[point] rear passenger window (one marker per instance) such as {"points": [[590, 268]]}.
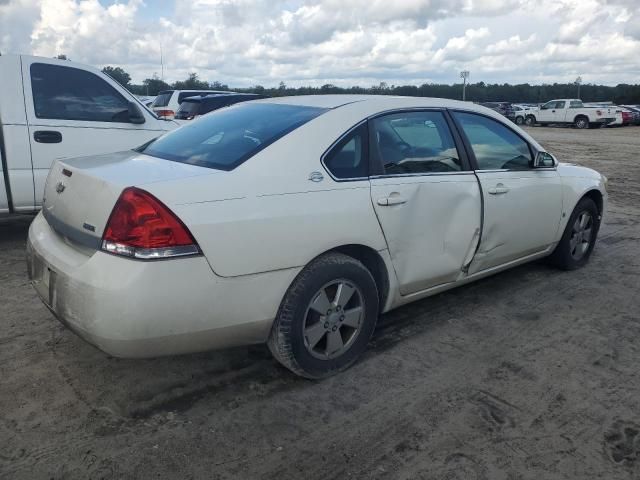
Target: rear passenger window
{"points": [[415, 142], [68, 93], [495, 146], [348, 159]]}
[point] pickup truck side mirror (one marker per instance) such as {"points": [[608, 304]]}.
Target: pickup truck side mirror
{"points": [[544, 107], [544, 160], [135, 114]]}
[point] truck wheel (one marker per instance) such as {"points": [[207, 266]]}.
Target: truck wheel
{"points": [[579, 237], [581, 122], [530, 120], [519, 120], [326, 318]]}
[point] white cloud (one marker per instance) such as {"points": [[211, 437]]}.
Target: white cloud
{"points": [[244, 42]]}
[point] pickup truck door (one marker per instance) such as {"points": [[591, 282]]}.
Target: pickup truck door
{"points": [[426, 198], [522, 205], [75, 111], [547, 112]]}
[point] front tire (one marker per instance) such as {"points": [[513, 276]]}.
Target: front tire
{"points": [[530, 120], [579, 237], [326, 317], [519, 120]]}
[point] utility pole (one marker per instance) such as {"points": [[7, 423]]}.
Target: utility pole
{"points": [[578, 82], [161, 64], [464, 75]]}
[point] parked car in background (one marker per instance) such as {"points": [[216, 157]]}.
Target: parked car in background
{"points": [[297, 221], [193, 107], [146, 100], [520, 113], [52, 109], [167, 102], [570, 111], [503, 108], [635, 113]]}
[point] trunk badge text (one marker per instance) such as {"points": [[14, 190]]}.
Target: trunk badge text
{"points": [[60, 187]]}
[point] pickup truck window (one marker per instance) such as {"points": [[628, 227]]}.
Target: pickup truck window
{"points": [[68, 93], [495, 146], [575, 104], [560, 104], [549, 105]]}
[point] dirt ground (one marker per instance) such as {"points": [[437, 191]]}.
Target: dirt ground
{"points": [[530, 374]]}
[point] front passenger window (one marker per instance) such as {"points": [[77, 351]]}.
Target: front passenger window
{"points": [[495, 146], [415, 142]]}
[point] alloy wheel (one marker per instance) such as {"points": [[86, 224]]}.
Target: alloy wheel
{"points": [[333, 319], [581, 234]]}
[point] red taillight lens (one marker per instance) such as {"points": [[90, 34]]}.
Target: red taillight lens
{"points": [[165, 113], [141, 226]]}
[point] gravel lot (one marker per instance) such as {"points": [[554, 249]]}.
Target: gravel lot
{"points": [[530, 374]]}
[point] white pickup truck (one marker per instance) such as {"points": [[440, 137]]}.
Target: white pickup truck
{"points": [[569, 111], [51, 109]]}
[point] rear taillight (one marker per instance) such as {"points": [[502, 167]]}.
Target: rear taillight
{"points": [[165, 113], [141, 226]]}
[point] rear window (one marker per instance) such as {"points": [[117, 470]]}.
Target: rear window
{"points": [[227, 137], [162, 100]]}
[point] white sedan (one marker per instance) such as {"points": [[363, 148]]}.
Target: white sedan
{"points": [[298, 221]]}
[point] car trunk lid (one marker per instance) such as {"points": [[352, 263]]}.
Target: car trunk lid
{"points": [[80, 193]]}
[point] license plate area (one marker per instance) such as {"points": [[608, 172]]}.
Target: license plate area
{"points": [[43, 279]]}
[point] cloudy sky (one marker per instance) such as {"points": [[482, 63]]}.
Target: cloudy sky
{"points": [[345, 42]]}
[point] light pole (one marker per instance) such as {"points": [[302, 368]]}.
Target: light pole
{"points": [[578, 82], [464, 75]]}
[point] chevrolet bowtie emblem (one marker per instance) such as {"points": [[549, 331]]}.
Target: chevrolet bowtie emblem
{"points": [[60, 187]]}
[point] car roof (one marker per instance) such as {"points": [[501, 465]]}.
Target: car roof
{"points": [[372, 102]]}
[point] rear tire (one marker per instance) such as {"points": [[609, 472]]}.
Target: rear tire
{"points": [[519, 120], [530, 120], [579, 237], [326, 318], [581, 122]]}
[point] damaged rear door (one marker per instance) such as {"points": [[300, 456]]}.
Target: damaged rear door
{"points": [[425, 196], [522, 204]]}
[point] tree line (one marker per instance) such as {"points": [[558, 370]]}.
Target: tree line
{"points": [[477, 92]]}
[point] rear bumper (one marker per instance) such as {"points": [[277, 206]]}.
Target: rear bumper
{"points": [[130, 308]]}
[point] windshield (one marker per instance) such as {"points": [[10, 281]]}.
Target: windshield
{"points": [[229, 136]]}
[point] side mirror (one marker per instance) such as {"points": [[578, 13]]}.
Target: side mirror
{"points": [[544, 107], [135, 114], [544, 160]]}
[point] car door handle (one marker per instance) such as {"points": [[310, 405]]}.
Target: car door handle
{"points": [[391, 200], [47, 136], [499, 189]]}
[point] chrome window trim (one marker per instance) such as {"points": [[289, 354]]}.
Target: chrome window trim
{"points": [[425, 174]]}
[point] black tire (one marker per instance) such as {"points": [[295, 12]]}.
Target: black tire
{"points": [[519, 120], [563, 257], [287, 340], [581, 122], [530, 120]]}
